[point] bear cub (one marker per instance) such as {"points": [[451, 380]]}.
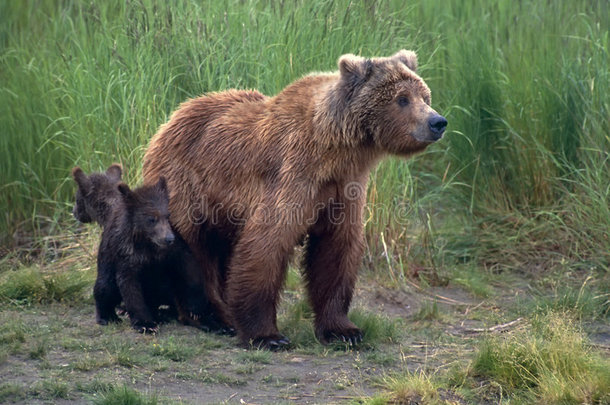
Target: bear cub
{"points": [[97, 194], [144, 263]]}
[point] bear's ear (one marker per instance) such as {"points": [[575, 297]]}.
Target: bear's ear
{"points": [[352, 66], [114, 172], [81, 179], [409, 58]]}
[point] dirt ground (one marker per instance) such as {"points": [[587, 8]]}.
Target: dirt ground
{"points": [[57, 354]]}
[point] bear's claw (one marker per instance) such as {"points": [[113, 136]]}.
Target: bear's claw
{"points": [[226, 331], [146, 328], [273, 343], [351, 337]]}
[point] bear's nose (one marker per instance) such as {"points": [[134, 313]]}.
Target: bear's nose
{"points": [[437, 125], [169, 239]]}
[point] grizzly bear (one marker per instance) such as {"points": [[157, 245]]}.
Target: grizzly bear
{"points": [[251, 176], [143, 262], [97, 194]]}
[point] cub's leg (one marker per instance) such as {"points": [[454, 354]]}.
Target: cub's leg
{"points": [[140, 314], [107, 295]]}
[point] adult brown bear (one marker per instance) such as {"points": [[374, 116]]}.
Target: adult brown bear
{"points": [[250, 176]]}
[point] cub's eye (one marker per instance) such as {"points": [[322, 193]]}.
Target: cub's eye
{"points": [[402, 101], [151, 220]]}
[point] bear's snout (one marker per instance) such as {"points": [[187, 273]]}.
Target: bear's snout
{"points": [[437, 124], [169, 239]]}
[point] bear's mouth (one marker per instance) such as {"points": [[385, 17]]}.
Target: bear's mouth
{"points": [[427, 138]]}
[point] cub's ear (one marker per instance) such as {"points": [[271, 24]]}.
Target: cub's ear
{"points": [[352, 66], [162, 184], [81, 179], [129, 197], [409, 58], [125, 191], [114, 172]]}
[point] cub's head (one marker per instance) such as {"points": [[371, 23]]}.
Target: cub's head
{"points": [[148, 211], [96, 195], [389, 102]]}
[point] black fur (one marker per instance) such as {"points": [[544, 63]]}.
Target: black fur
{"points": [[97, 194], [145, 263]]}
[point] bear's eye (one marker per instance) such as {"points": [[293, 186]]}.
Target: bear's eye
{"points": [[402, 101], [151, 220]]}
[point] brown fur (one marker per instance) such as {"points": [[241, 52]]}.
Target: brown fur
{"points": [[252, 175]]}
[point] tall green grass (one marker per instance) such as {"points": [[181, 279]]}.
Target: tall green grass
{"points": [[524, 85]]}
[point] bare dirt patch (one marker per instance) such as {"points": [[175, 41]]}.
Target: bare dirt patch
{"points": [[57, 354]]}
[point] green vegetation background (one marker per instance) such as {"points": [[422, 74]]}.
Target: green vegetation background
{"points": [[520, 185], [522, 178]]}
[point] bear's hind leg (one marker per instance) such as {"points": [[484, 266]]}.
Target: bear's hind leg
{"points": [[256, 275]]}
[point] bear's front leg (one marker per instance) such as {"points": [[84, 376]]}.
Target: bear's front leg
{"points": [[140, 314], [256, 276], [333, 255]]}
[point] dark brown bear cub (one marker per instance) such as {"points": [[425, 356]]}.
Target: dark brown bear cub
{"points": [[144, 263], [97, 194]]}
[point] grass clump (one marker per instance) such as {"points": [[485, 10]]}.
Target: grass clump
{"points": [[376, 328], [589, 302], [124, 395], [474, 281], [10, 392], [39, 350], [126, 355], [13, 331], [549, 360], [88, 363], [172, 350], [95, 386], [411, 388], [297, 324], [429, 311], [32, 285], [256, 356], [50, 389]]}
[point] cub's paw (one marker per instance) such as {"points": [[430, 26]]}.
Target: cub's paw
{"points": [[227, 331], [222, 330], [147, 328], [206, 323], [273, 343], [108, 319], [351, 336]]}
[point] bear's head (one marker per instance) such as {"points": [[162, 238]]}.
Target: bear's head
{"points": [[96, 194], [389, 102], [148, 212]]}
